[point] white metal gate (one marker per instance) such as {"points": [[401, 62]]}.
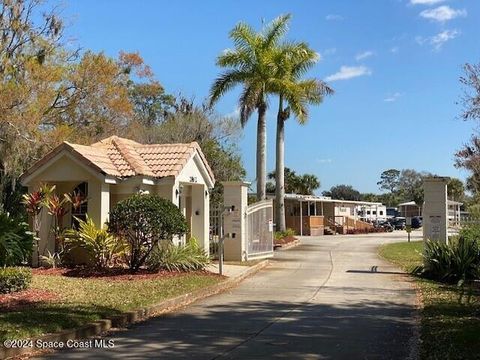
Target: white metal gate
{"points": [[260, 229]]}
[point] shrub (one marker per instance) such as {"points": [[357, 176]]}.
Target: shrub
{"points": [[16, 241], [283, 234], [142, 221], [51, 260], [471, 232], [100, 246], [14, 279], [456, 261], [171, 257]]}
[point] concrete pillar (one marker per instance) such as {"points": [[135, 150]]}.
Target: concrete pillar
{"points": [[301, 218], [98, 206], [435, 209], [235, 193]]}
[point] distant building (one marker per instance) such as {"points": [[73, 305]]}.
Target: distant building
{"points": [[372, 212], [409, 209], [392, 212], [318, 215]]}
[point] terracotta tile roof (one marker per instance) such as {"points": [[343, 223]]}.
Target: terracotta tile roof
{"points": [[123, 158]]}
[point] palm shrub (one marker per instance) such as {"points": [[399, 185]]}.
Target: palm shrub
{"points": [[142, 221], [171, 257], [100, 246], [459, 260], [16, 241]]}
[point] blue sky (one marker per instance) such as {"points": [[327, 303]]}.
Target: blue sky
{"points": [[394, 64]]}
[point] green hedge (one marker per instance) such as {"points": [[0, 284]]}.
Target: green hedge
{"points": [[14, 279]]}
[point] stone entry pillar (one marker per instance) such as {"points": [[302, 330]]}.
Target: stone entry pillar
{"points": [[435, 209], [235, 195]]}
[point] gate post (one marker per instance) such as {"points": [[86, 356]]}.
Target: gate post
{"points": [[235, 193], [435, 209]]}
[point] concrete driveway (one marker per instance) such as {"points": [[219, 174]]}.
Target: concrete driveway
{"points": [[329, 298]]}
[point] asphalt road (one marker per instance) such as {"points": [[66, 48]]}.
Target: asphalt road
{"points": [[329, 298]]}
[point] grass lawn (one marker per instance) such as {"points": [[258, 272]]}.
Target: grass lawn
{"points": [[82, 300], [450, 328]]}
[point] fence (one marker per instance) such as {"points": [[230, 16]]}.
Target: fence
{"points": [[260, 229], [215, 231]]}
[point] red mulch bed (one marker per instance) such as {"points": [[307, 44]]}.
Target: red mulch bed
{"points": [[25, 298], [113, 274], [285, 240]]}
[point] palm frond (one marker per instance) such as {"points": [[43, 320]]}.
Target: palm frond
{"points": [[234, 58], [243, 36], [298, 105], [225, 82], [299, 58], [275, 30], [248, 102]]}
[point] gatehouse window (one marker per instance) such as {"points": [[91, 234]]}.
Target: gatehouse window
{"points": [[80, 212]]}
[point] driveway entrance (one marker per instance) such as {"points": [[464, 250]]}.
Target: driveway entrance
{"points": [[329, 298]]}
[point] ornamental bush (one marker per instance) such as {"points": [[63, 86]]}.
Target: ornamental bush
{"points": [[142, 221], [171, 257], [14, 279], [16, 241], [459, 260], [101, 247]]}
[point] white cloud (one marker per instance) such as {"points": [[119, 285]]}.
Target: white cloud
{"points": [[437, 41], [349, 72], [393, 97], [334, 17], [394, 49], [425, 2], [443, 13], [364, 55], [441, 38]]}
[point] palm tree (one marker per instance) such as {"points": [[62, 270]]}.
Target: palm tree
{"points": [[294, 96], [251, 64], [309, 183]]}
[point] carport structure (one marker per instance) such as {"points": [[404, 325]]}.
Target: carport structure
{"points": [[318, 215]]}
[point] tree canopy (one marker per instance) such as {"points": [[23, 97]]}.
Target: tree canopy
{"points": [[343, 192], [304, 184], [51, 92]]}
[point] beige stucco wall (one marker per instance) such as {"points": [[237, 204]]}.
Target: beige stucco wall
{"points": [[200, 216]]}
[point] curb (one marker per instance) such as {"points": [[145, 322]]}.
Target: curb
{"points": [[118, 321], [287, 246]]}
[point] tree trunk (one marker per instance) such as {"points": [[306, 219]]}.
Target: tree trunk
{"points": [[261, 153], [280, 170]]}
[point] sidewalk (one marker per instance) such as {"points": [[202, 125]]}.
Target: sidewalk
{"points": [[229, 270]]}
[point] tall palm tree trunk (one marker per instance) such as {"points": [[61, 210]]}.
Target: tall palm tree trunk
{"points": [[261, 153], [280, 170]]}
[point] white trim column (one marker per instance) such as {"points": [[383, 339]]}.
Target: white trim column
{"points": [[301, 218]]}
